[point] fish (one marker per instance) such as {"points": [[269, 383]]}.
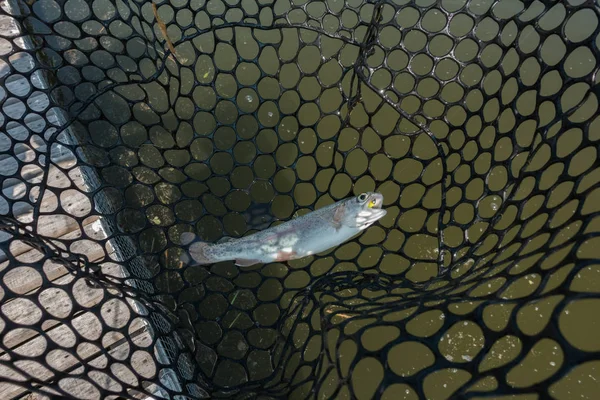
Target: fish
{"points": [[312, 233]]}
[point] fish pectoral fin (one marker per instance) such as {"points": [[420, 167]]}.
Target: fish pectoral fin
{"points": [[241, 262], [338, 216]]}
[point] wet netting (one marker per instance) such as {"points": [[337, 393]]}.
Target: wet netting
{"points": [[125, 123]]}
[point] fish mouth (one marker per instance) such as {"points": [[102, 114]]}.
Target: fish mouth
{"points": [[367, 218], [370, 216], [371, 212]]}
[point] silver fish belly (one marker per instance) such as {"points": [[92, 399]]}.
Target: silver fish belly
{"points": [[312, 233]]}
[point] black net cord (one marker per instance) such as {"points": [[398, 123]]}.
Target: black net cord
{"points": [[125, 124]]}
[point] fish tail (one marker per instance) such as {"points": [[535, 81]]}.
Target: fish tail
{"points": [[201, 254], [198, 252]]}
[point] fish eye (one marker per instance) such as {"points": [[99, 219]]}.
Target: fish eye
{"points": [[362, 197]]}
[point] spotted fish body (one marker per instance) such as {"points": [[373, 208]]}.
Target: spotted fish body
{"points": [[312, 233]]}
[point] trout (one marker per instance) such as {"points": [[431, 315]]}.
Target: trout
{"points": [[309, 234]]}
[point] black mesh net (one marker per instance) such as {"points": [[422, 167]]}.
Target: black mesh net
{"points": [[124, 124]]}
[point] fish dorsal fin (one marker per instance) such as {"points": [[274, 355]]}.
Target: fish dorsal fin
{"points": [[225, 239], [240, 262]]}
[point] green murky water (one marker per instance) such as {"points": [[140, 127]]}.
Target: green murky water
{"points": [[233, 134]]}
